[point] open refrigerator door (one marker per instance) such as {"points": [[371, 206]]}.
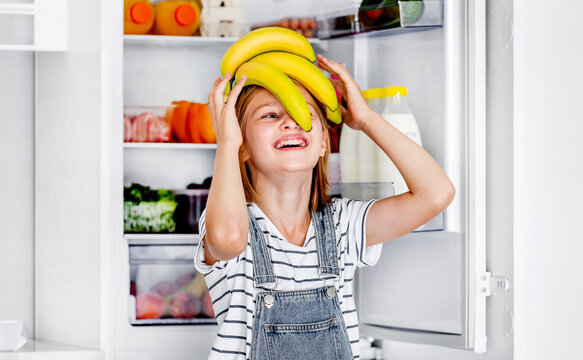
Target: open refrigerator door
{"points": [[430, 287]]}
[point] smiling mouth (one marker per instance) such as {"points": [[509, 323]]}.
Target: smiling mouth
{"points": [[292, 143]]}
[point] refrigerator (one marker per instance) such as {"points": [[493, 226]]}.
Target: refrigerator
{"points": [[430, 286]]}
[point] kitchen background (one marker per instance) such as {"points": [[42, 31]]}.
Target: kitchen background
{"points": [[55, 254]]}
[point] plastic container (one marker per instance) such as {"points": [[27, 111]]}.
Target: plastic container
{"points": [[147, 124], [396, 111], [164, 288], [176, 18], [138, 17], [222, 18], [149, 217], [421, 13], [191, 203], [148, 210]]}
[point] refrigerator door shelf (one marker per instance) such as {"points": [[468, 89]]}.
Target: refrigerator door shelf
{"points": [[425, 288], [414, 14]]}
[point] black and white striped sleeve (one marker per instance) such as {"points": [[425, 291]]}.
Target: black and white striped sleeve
{"points": [[353, 215]]}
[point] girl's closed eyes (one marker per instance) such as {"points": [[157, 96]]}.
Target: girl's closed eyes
{"points": [[270, 115]]}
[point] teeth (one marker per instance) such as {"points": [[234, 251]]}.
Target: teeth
{"points": [[296, 142]]}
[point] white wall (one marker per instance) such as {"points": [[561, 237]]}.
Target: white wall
{"points": [[16, 187], [548, 160], [68, 170]]}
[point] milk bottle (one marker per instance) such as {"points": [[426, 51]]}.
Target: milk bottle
{"points": [[348, 155], [357, 150], [396, 111], [366, 149]]}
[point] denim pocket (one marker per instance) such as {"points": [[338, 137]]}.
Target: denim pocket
{"points": [[318, 340]]}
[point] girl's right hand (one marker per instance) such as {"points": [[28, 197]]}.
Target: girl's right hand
{"points": [[223, 117]]}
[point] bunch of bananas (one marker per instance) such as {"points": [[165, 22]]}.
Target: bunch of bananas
{"points": [[269, 57]]}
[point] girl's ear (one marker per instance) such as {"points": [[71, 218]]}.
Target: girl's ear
{"points": [[325, 142], [244, 154]]}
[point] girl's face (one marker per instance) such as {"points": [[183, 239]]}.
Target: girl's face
{"points": [[274, 141]]}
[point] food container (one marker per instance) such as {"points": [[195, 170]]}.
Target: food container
{"points": [[147, 124], [149, 217], [337, 23], [191, 203], [222, 18], [421, 13], [148, 211], [303, 25], [164, 288]]}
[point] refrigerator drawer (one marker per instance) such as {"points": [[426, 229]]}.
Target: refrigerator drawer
{"points": [[165, 288]]}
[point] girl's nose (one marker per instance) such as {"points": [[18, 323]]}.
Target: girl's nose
{"points": [[289, 123]]}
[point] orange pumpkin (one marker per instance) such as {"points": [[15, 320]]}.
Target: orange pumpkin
{"points": [[179, 120], [205, 125], [199, 125], [192, 123]]}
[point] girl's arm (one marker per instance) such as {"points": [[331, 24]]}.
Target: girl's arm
{"points": [[430, 190], [226, 220]]}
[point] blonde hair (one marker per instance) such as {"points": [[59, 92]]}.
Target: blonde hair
{"points": [[319, 194]]}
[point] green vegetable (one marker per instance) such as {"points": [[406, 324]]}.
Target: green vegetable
{"points": [[148, 210], [137, 193]]}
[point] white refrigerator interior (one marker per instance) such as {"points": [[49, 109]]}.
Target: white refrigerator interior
{"points": [[423, 288]]}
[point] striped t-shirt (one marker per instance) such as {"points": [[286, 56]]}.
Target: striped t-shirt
{"points": [[296, 268]]}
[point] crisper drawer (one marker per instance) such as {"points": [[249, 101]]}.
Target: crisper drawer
{"points": [[164, 286]]}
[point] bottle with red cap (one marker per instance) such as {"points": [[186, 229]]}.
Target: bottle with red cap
{"points": [[178, 18], [138, 17]]}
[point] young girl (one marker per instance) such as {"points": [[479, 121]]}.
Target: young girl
{"points": [[278, 254]]}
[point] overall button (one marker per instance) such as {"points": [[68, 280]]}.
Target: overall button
{"points": [[268, 300], [330, 292]]}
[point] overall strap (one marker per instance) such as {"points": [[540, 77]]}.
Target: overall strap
{"points": [[263, 275], [326, 243]]}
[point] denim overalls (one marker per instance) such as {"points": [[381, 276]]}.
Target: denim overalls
{"points": [[298, 325]]}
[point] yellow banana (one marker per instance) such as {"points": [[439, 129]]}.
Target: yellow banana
{"points": [[262, 40], [281, 87], [306, 73], [334, 116]]}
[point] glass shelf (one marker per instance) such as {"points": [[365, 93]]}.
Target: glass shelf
{"points": [[168, 146], [368, 191], [162, 239], [177, 40], [194, 41]]}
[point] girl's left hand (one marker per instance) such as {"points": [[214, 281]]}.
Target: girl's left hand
{"points": [[358, 110]]}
